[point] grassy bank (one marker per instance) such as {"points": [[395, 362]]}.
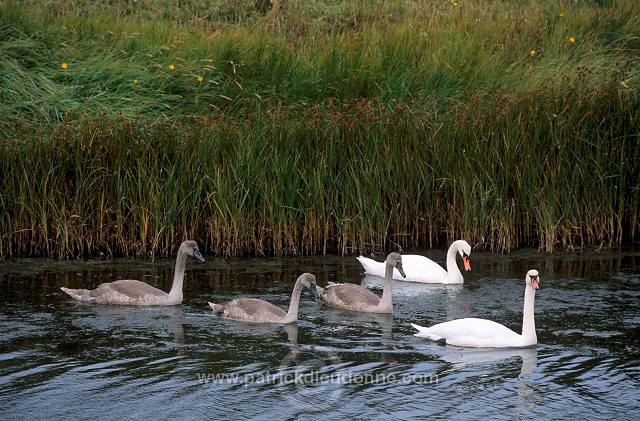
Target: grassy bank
{"points": [[316, 127]]}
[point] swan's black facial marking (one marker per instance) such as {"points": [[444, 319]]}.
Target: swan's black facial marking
{"points": [[314, 291], [198, 255], [309, 281], [535, 281], [399, 267], [466, 261]]}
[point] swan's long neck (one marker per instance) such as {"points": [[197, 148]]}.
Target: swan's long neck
{"points": [[385, 301], [453, 272], [528, 322], [178, 277], [294, 304]]}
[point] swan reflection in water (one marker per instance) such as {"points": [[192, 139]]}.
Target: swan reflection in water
{"points": [[462, 357], [497, 363], [376, 324], [143, 321], [242, 329]]}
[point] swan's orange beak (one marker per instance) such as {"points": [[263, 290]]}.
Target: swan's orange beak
{"points": [[535, 283], [467, 263]]}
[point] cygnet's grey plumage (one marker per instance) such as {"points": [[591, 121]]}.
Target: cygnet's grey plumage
{"points": [[358, 298], [259, 311], [136, 293]]}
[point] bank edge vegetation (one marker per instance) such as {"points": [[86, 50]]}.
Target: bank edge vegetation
{"points": [[311, 127]]}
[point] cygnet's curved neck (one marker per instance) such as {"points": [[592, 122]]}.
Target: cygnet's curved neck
{"points": [[386, 300], [528, 323], [294, 304], [453, 272], [178, 277]]}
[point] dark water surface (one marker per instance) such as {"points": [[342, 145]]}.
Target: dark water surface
{"points": [[60, 358]]}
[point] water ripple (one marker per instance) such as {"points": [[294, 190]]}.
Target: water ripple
{"points": [[80, 361]]}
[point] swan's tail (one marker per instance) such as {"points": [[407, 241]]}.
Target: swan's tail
{"points": [[371, 266], [217, 308], [423, 332], [79, 294]]}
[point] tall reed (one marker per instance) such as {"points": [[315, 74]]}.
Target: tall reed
{"points": [[317, 127]]}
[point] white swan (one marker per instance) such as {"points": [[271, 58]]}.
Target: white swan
{"points": [[421, 269], [357, 298], [259, 311], [136, 293], [482, 333]]}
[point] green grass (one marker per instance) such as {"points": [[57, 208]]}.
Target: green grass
{"points": [[319, 127]]}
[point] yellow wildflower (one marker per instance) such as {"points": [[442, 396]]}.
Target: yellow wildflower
{"points": [[135, 81], [561, 14], [172, 67], [572, 40], [532, 52], [200, 78], [64, 66]]}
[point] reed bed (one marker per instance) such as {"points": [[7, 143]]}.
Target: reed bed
{"points": [[291, 128]]}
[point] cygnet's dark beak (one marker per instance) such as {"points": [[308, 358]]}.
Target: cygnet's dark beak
{"points": [[314, 292], [399, 267], [197, 255]]}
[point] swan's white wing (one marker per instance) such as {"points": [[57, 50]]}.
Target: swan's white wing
{"points": [[472, 332], [417, 268], [421, 269]]}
